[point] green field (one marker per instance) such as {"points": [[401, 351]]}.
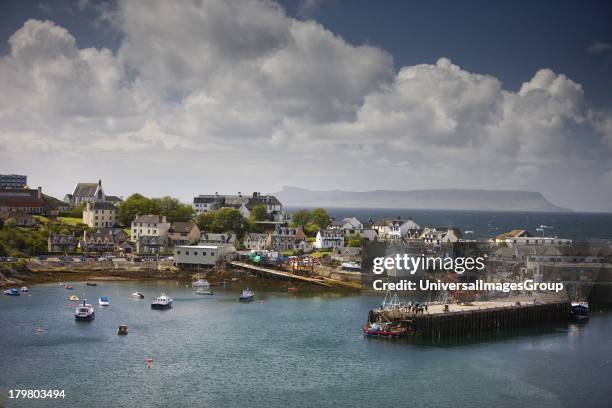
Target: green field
{"points": [[70, 220]]}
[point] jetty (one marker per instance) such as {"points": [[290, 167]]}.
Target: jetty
{"points": [[449, 320], [279, 274]]}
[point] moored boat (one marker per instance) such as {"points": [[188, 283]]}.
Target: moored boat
{"points": [[68, 287], [200, 283], [122, 330], [73, 298], [385, 329], [292, 290], [103, 301], [12, 292], [204, 292], [579, 311], [137, 295], [246, 296], [91, 284], [84, 312], [351, 266], [25, 289], [162, 302]]}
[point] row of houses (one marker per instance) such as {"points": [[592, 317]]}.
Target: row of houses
{"points": [[243, 203]]}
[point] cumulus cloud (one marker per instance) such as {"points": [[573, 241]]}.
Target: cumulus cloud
{"points": [[235, 94]]}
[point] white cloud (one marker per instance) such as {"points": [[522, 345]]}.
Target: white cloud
{"points": [[226, 95]]}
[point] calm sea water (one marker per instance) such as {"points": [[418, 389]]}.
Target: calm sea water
{"points": [[281, 350], [485, 224]]}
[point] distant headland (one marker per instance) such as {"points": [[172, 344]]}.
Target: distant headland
{"points": [[451, 199]]}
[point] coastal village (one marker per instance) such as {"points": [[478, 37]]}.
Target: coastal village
{"points": [[90, 224]]}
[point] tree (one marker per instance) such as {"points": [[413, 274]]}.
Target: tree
{"points": [[258, 213], [205, 220], [173, 209], [355, 241], [76, 212], [320, 218], [10, 223], [223, 220], [301, 218], [136, 204]]}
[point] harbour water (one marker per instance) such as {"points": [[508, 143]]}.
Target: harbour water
{"points": [[280, 350]]}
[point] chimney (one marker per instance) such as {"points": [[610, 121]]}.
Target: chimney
{"points": [[239, 194], [216, 194], [39, 192], [99, 183], [255, 194]]}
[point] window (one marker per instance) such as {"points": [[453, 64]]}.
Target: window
{"points": [[186, 252], [203, 253], [195, 253], [178, 252]]}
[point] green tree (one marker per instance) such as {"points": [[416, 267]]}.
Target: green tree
{"points": [[173, 209], [229, 220], [136, 204], [301, 218], [10, 223], [75, 212], [259, 213], [205, 221], [354, 241], [320, 218]]}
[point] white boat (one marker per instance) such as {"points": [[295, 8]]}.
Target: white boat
{"points": [[84, 312], [25, 289], [162, 302], [351, 266], [137, 295], [204, 292], [200, 283], [247, 295], [103, 301]]}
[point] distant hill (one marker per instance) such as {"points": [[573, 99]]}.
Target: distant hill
{"points": [[493, 200]]}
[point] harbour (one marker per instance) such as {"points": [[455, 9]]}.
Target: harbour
{"points": [[307, 348]]}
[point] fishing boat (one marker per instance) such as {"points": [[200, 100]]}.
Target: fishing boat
{"points": [[12, 292], [137, 295], [103, 301], [579, 311], [385, 329], [351, 266], [91, 284], [162, 302], [200, 283], [247, 295], [73, 298], [84, 312], [122, 330], [25, 289], [204, 292]]}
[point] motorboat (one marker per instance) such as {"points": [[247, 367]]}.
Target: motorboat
{"points": [[385, 329], [122, 330], [247, 295], [25, 289], [200, 283], [292, 290], [84, 312], [73, 298], [12, 292], [204, 292], [137, 295], [579, 311], [68, 287], [103, 301], [91, 284], [162, 302], [351, 266]]}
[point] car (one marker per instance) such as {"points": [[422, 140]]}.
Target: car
{"points": [[41, 257], [102, 259]]}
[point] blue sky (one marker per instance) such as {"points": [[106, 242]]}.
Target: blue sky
{"points": [[404, 94]]}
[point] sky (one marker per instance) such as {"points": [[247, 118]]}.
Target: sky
{"points": [[191, 97]]}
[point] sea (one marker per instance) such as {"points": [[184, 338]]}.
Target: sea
{"points": [[295, 350], [578, 226]]}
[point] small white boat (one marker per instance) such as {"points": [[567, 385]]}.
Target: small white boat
{"points": [[204, 292], [162, 302], [25, 289], [84, 312], [103, 301], [137, 295], [200, 283], [351, 266], [247, 296]]}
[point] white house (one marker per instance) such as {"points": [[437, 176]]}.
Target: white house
{"points": [[329, 238], [201, 255], [243, 203], [438, 235], [396, 228], [150, 225], [99, 214]]}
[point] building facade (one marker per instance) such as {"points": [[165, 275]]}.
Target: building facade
{"points": [[99, 214], [149, 225], [201, 255]]}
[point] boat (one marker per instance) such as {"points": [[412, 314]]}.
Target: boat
{"points": [[73, 298], [351, 266], [246, 296], [25, 289], [162, 302], [91, 284], [122, 330], [579, 311], [103, 301], [385, 329], [69, 287], [137, 295], [292, 290], [200, 283], [204, 292], [84, 312], [12, 292]]}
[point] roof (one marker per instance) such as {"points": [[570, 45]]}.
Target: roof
{"points": [[20, 198], [515, 233], [85, 190], [179, 227], [103, 206], [151, 240], [201, 246], [62, 239], [113, 199], [154, 218]]}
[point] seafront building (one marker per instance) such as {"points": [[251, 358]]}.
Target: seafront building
{"points": [[243, 203], [14, 181], [99, 214], [201, 255], [90, 193]]}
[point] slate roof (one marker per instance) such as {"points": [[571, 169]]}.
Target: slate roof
{"points": [[85, 190], [152, 218]]}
